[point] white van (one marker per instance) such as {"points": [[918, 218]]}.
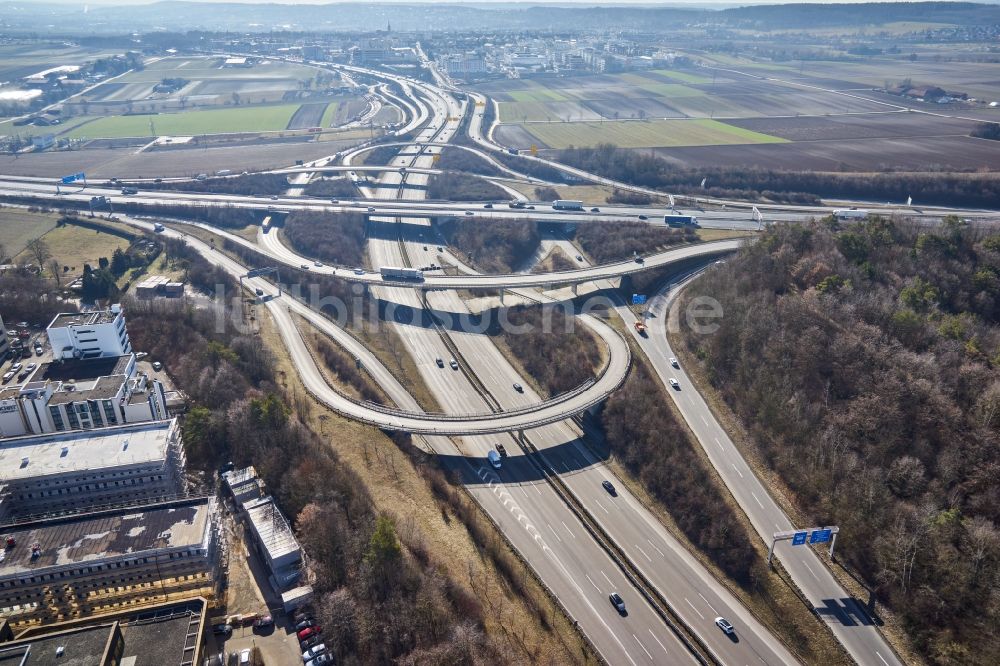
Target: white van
{"points": [[494, 459]]}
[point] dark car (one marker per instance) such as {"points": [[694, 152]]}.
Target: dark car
{"points": [[643, 217], [617, 602], [595, 210], [222, 629], [610, 487], [304, 624]]}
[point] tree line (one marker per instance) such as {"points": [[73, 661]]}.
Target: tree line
{"points": [[496, 246], [797, 187], [865, 364], [334, 238], [559, 352], [248, 184], [457, 186], [615, 241]]}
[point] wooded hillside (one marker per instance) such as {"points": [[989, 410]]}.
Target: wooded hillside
{"points": [[864, 363]]}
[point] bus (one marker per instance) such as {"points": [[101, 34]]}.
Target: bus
{"points": [[566, 204]]}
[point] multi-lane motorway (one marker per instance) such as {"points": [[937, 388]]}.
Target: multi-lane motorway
{"points": [[547, 497]]}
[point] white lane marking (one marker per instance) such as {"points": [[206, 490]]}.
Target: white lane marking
{"points": [[592, 583], [738, 471], [756, 498], [719, 443], [657, 549], [522, 491], [643, 552], [706, 603], [704, 420], [810, 569], [553, 532], [568, 529], [657, 640], [694, 609], [642, 646], [602, 506], [607, 579], [882, 658], [535, 486]]}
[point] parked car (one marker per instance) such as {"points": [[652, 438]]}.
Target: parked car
{"points": [[157, 366], [263, 622], [309, 632], [222, 629], [245, 656], [325, 658], [313, 651], [299, 626]]}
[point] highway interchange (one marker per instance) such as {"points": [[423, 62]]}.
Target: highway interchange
{"points": [[547, 498]]}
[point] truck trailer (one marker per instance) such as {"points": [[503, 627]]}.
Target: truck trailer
{"points": [[850, 214], [567, 204], [393, 273], [677, 220]]}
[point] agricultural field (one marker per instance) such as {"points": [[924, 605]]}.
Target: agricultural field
{"points": [[258, 118], [19, 60], [178, 162], [74, 246], [645, 134], [18, 226], [204, 82], [812, 114]]}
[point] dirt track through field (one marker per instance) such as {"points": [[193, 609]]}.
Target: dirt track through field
{"points": [[308, 115]]}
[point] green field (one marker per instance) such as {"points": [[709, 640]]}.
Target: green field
{"points": [[646, 134], [188, 123], [329, 114]]}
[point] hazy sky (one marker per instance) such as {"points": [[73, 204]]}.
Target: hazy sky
{"points": [[588, 3]]}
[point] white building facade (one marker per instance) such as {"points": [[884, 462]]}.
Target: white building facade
{"points": [[89, 334]]}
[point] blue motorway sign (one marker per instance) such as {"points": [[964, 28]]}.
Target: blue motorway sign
{"points": [[799, 538], [638, 299], [66, 180], [820, 536]]}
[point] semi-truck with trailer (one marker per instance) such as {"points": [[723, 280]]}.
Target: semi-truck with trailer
{"points": [[567, 204], [394, 273], [678, 220], [850, 214]]}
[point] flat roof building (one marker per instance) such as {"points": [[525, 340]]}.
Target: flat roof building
{"points": [[73, 566], [81, 394], [275, 541], [89, 334], [168, 633], [64, 472]]}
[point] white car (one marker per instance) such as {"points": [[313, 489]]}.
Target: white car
{"points": [[359, 271], [318, 264], [245, 656], [725, 625], [674, 384], [454, 364], [673, 362], [313, 651]]}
